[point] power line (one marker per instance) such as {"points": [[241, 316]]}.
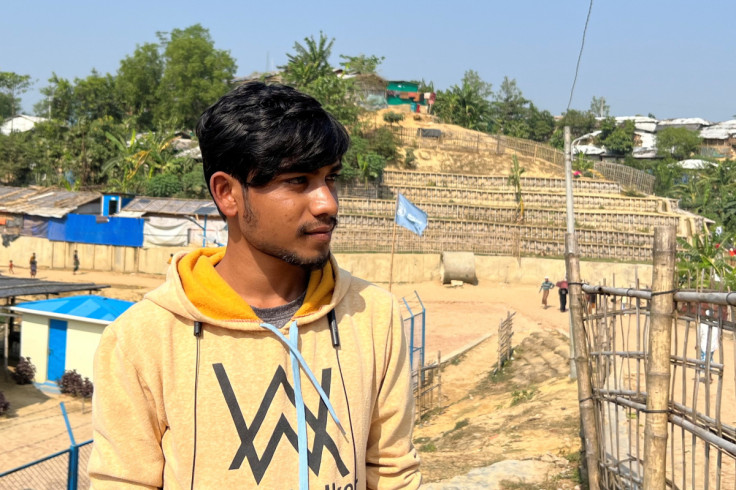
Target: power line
{"points": [[580, 55]]}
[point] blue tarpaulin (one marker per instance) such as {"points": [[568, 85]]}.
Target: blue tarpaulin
{"points": [[86, 228]]}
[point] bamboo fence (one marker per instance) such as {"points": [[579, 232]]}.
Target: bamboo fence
{"points": [[628, 177], [428, 388], [663, 413], [478, 142], [507, 213], [464, 181], [550, 198], [370, 234]]}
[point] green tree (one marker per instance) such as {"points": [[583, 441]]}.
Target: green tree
{"points": [[195, 75], [309, 62], [12, 85], [541, 124], [515, 181], [703, 262], [142, 157], [510, 110], [599, 108], [137, 83], [466, 105], [361, 64], [677, 143], [580, 123], [617, 138], [96, 97], [58, 101]]}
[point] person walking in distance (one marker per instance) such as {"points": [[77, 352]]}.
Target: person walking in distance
{"points": [[260, 365], [33, 263], [562, 291], [707, 339], [76, 263], [545, 287], [11, 270]]}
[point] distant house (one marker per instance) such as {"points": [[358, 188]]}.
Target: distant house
{"points": [[62, 334], [719, 140], [402, 92], [691, 123], [20, 124]]}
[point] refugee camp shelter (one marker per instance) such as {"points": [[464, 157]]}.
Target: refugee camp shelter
{"points": [[62, 334], [174, 222]]}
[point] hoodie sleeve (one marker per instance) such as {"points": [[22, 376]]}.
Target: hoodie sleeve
{"points": [[127, 430], [391, 460]]}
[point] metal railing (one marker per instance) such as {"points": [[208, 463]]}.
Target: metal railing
{"points": [[62, 469]]}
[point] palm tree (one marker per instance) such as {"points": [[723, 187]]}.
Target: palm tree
{"points": [[309, 62]]}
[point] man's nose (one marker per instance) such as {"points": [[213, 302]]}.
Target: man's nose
{"points": [[324, 200]]}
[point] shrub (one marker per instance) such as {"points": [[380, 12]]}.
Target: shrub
{"points": [[4, 405], [409, 158], [24, 371], [164, 185], [393, 117], [71, 383]]}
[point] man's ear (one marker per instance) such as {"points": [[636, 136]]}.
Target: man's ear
{"points": [[227, 193]]}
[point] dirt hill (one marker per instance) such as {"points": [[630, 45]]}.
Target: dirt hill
{"points": [[463, 162]]}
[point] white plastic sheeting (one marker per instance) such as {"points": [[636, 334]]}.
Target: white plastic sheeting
{"points": [[159, 231]]}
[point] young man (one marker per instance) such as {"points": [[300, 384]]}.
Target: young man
{"points": [[76, 263], [263, 365]]}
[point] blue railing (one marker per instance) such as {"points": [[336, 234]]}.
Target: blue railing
{"points": [[59, 470], [415, 324]]}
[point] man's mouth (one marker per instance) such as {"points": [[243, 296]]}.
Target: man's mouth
{"points": [[321, 229]]}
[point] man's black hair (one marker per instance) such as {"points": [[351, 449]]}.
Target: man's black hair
{"points": [[257, 132]]}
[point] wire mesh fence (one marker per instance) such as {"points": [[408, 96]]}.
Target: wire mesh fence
{"points": [[63, 469]]}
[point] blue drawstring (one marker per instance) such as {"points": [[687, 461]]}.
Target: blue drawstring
{"points": [[296, 360]]}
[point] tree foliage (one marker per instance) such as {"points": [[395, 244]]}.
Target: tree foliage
{"points": [[194, 77], [617, 138], [137, 83], [599, 108], [467, 104], [677, 143], [12, 86]]}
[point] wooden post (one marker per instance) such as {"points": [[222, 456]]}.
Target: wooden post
{"points": [[658, 363], [393, 246], [439, 380], [585, 388]]}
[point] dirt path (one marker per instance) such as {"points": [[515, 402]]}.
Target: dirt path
{"points": [[455, 318]]}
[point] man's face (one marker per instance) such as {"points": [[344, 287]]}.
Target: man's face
{"points": [[292, 217]]}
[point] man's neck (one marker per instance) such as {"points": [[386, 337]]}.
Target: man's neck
{"points": [[261, 280]]}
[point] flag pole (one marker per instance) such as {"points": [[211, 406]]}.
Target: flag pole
{"points": [[393, 247]]}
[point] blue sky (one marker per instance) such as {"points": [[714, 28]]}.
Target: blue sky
{"points": [[671, 58]]}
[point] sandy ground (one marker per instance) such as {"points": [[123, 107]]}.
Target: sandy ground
{"points": [[455, 317]]}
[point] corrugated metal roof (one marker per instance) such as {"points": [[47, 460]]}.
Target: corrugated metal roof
{"points": [[86, 307], [26, 286], [48, 202], [171, 206]]}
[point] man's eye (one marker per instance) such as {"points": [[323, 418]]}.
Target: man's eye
{"points": [[332, 177], [297, 180]]}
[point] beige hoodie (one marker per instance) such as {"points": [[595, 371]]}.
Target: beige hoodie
{"points": [[154, 378]]}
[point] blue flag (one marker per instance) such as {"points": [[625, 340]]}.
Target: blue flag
{"points": [[409, 216]]}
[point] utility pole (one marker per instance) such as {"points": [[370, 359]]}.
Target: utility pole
{"points": [[570, 232]]}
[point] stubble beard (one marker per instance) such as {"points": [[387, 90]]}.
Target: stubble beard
{"points": [[290, 256]]}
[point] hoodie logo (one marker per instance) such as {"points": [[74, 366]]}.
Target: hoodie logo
{"points": [[247, 433]]}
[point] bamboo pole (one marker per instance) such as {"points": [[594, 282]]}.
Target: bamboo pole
{"points": [[658, 365], [393, 247], [585, 388]]}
